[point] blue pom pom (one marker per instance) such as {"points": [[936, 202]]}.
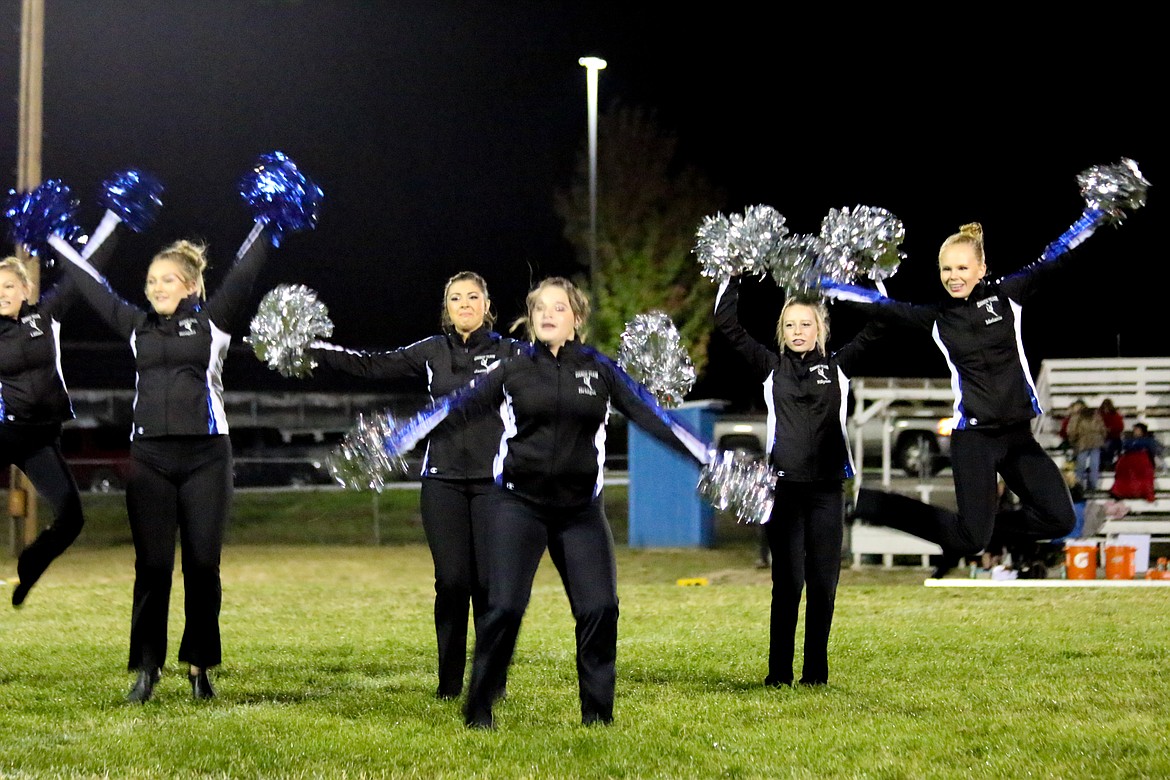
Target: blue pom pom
{"points": [[281, 196], [134, 196], [34, 216]]}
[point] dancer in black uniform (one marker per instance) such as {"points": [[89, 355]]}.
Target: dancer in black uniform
{"points": [[180, 455], [457, 485], [34, 403], [556, 397], [978, 331], [806, 391]]}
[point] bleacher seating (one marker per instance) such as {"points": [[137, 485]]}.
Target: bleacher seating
{"points": [[1138, 387]]}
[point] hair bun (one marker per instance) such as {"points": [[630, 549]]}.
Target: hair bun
{"points": [[973, 229]]}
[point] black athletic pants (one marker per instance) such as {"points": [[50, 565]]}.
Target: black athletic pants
{"points": [[455, 517], [178, 485], [978, 458], [805, 534], [36, 450], [580, 544]]}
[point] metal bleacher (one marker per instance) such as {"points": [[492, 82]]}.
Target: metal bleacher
{"points": [[1140, 389]]}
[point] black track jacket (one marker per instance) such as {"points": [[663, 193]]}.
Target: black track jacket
{"points": [[554, 411], [32, 389], [456, 449], [806, 396], [178, 359]]}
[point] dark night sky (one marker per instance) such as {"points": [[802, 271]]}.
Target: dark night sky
{"points": [[440, 130]]}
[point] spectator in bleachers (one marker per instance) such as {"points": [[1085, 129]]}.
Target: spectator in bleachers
{"points": [[1086, 438], [1114, 428], [1073, 409], [1134, 476]]}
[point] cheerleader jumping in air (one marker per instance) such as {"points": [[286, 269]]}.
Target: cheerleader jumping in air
{"points": [[978, 329]]}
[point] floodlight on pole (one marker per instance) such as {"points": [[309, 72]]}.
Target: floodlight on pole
{"points": [[592, 65]]}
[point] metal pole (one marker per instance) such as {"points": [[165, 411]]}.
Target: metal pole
{"points": [[592, 65], [22, 499]]}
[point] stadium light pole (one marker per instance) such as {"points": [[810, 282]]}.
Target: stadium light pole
{"points": [[592, 65]]}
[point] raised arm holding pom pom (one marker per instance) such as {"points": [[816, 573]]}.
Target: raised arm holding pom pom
{"points": [[977, 327], [806, 391], [34, 401], [180, 455]]}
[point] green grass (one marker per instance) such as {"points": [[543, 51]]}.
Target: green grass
{"points": [[329, 671]]}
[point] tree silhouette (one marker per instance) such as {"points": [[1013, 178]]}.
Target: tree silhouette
{"points": [[649, 205]]}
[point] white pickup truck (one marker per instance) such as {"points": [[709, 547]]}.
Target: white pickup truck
{"points": [[915, 413]]}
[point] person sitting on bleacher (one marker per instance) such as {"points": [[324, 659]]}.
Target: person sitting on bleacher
{"points": [[1134, 475]]}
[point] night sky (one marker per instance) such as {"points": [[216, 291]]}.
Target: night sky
{"points": [[440, 131]]}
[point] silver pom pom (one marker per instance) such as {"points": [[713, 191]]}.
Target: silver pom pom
{"points": [[740, 483], [651, 354], [796, 266], [1114, 188], [361, 460], [861, 242], [744, 244], [288, 319]]}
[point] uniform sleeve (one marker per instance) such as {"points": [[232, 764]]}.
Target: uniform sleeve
{"points": [[474, 398], [849, 355], [226, 306], [120, 315], [404, 363], [1023, 283], [61, 296], [638, 404], [727, 320], [892, 312]]}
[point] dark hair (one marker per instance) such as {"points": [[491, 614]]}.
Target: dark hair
{"points": [[489, 319]]}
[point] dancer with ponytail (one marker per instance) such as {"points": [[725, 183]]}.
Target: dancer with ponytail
{"points": [[180, 456], [978, 328]]}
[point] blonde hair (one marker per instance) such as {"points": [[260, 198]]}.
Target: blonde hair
{"points": [[489, 319], [971, 234], [17, 266], [578, 302], [820, 313], [191, 258]]}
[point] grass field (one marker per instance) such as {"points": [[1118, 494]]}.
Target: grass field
{"points": [[329, 656]]}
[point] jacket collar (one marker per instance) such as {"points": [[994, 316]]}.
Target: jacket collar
{"points": [[189, 305], [478, 337]]}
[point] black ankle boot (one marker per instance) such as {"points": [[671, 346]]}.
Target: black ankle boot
{"points": [[201, 685], [19, 593], [946, 564], [143, 687], [27, 575]]}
